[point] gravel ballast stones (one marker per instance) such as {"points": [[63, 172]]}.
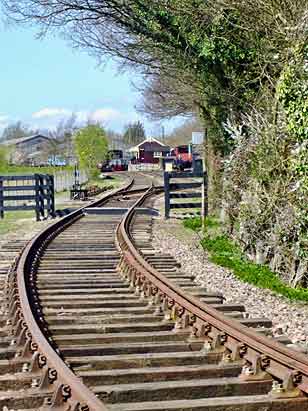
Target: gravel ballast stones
{"points": [[288, 318]]}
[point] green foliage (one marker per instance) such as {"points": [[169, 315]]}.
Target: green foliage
{"points": [[245, 63], [225, 253], [293, 94], [3, 157], [195, 223], [91, 147]]}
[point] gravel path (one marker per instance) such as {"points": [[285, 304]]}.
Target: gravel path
{"points": [[288, 318]]}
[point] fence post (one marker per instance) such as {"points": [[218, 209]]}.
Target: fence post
{"points": [[167, 194], [47, 194], [1, 199], [42, 196], [37, 197], [52, 195], [204, 211]]}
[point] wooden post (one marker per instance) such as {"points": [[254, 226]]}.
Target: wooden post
{"points": [[52, 193], [167, 194], [204, 211], [48, 194], [205, 199], [37, 196], [1, 199], [42, 195]]}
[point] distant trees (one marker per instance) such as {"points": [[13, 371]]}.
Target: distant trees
{"points": [[134, 133], [242, 66], [183, 133], [61, 139], [16, 130], [91, 147], [115, 139]]}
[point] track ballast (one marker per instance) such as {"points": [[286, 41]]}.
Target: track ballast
{"points": [[97, 320]]}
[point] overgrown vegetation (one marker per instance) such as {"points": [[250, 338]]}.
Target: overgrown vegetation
{"points": [[241, 65], [226, 253]]}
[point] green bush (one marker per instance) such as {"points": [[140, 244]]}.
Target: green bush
{"points": [[195, 223], [222, 251]]}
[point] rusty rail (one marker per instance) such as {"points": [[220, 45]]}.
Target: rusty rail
{"points": [[262, 357], [34, 341]]}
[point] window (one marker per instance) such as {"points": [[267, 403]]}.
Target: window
{"points": [[157, 153]]}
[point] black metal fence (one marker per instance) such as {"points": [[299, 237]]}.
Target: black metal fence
{"points": [[29, 192], [172, 187]]}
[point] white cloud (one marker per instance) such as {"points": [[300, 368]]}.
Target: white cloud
{"points": [[109, 117], [49, 112], [3, 118], [99, 115], [104, 114]]}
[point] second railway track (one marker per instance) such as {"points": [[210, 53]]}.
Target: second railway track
{"points": [[97, 320]]}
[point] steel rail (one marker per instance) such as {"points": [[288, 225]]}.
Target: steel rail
{"points": [[28, 323], [267, 357]]}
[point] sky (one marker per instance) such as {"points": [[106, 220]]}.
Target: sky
{"points": [[44, 81]]}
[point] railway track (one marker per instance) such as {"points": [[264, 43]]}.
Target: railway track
{"points": [[97, 320]]}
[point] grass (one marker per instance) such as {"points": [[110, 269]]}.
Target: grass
{"points": [[195, 223], [224, 252], [14, 220], [20, 219], [102, 182], [20, 170]]}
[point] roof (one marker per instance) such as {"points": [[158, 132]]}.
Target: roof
{"points": [[150, 144], [16, 141]]}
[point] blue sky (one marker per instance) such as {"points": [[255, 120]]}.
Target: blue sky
{"points": [[45, 80]]}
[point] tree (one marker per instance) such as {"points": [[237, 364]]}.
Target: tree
{"points": [[134, 133], [16, 130], [91, 147], [115, 140], [245, 64], [183, 133], [61, 143], [227, 47]]}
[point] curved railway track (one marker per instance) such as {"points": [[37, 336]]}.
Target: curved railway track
{"points": [[97, 320]]}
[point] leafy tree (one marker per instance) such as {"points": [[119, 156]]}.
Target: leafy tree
{"points": [[242, 65], [91, 147], [226, 50], [16, 130], [134, 133]]}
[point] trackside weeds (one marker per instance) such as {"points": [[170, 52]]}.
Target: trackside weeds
{"points": [[289, 318]]}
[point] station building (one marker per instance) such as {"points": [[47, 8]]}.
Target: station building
{"points": [[149, 151]]}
